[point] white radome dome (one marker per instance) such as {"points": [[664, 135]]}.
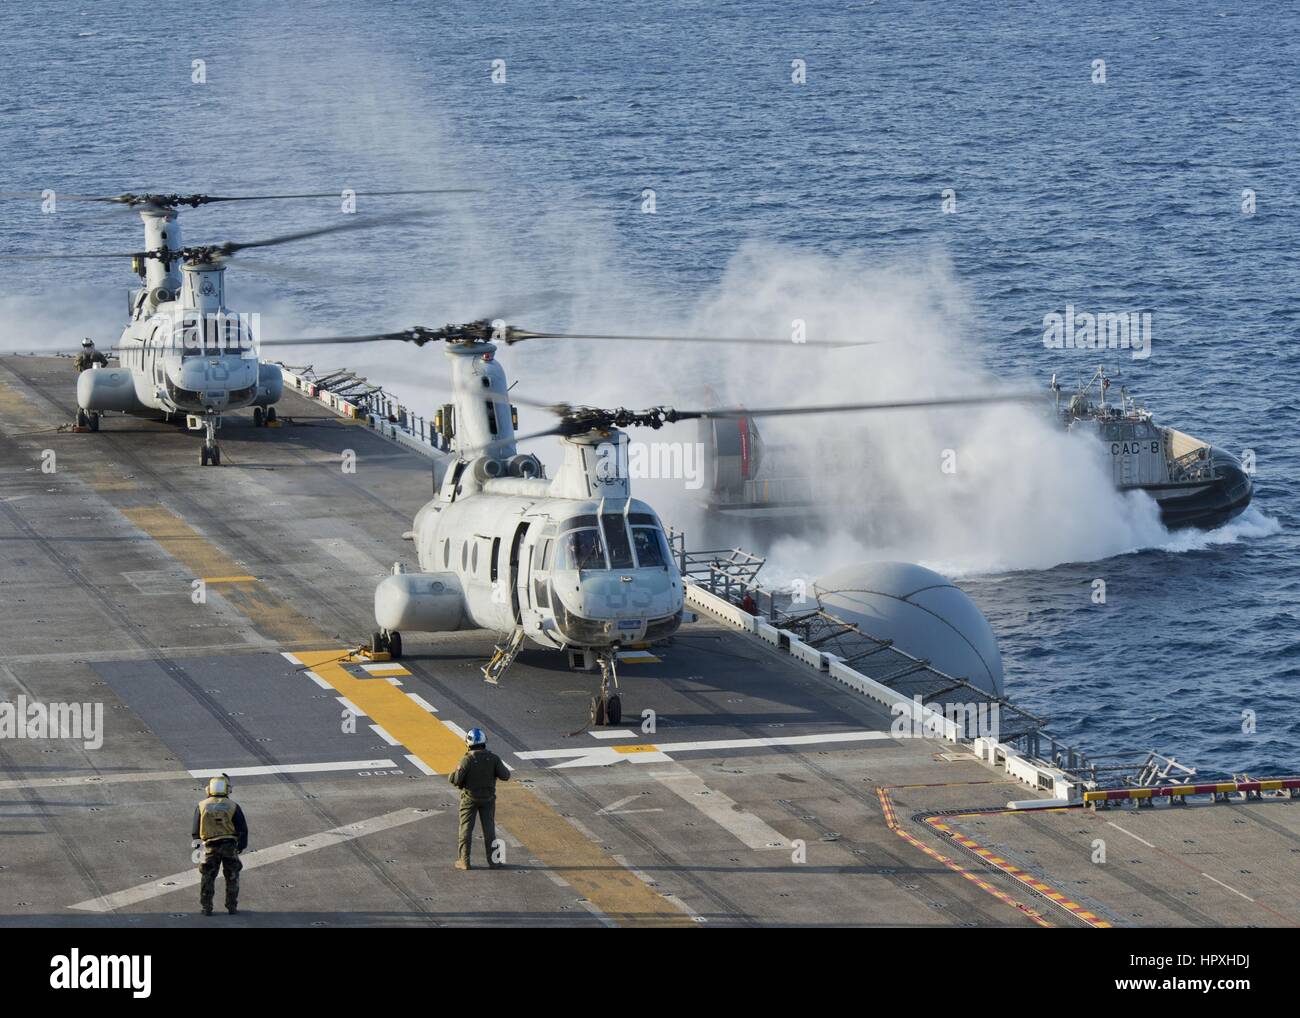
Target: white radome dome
{"points": [[922, 612]]}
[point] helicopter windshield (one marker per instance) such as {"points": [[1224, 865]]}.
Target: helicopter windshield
{"points": [[620, 549], [213, 337], [651, 547], [580, 549]]}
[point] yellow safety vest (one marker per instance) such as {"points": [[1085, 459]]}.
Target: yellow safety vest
{"points": [[217, 819]]}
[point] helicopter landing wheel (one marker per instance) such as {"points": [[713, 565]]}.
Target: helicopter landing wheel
{"points": [[83, 419], [271, 416], [92, 421], [209, 456], [384, 641], [259, 417], [607, 705]]}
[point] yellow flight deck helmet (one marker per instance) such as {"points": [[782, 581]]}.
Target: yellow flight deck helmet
{"points": [[219, 786]]}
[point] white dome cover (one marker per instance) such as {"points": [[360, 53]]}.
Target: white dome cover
{"points": [[922, 612]]}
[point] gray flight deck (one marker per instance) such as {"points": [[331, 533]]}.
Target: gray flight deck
{"points": [[755, 801]]}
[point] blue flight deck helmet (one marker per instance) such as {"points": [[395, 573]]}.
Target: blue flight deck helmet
{"points": [[475, 737]]}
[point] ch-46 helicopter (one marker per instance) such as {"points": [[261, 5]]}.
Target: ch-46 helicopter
{"points": [[572, 562], [183, 350]]}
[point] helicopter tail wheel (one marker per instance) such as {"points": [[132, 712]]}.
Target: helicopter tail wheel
{"points": [[259, 417]]}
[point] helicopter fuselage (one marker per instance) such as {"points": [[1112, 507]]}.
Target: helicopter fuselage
{"points": [[573, 562]]}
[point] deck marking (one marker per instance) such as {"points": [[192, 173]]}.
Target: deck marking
{"points": [[349, 705], [1187, 866], [549, 837], [231, 579], [1227, 888], [891, 821], [1073, 907], [420, 765], [318, 680], [260, 857], [384, 668], [424, 704], [750, 830], [1130, 834], [603, 756], [269, 615], [384, 735], [613, 808], [613, 733], [299, 768]]}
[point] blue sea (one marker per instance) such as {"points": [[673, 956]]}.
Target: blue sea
{"points": [[1167, 186]]}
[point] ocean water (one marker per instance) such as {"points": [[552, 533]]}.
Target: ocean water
{"points": [[1128, 194]]}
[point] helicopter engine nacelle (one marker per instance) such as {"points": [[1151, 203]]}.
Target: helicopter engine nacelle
{"points": [[270, 385], [421, 603], [101, 389]]}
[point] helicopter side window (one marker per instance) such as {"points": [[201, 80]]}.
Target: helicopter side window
{"points": [[651, 548], [581, 549], [620, 548]]}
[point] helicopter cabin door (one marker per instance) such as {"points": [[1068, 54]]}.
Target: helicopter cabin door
{"points": [[513, 577]]}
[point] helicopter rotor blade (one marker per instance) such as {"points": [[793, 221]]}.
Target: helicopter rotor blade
{"points": [[519, 335], [213, 252], [938, 402], [168, 201], [60, 257], [234, 247]]}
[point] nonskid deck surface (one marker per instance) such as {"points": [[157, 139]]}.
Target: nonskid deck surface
{"points": [[754, 800]]}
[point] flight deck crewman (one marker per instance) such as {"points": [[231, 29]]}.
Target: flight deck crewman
{"points": [[219, 823], [476, 776], [89, 356]]}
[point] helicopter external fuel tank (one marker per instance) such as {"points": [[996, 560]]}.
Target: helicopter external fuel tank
{"points": [[421, 602], [107, 389]]}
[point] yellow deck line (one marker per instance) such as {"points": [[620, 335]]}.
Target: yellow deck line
{"points": [[560, 846], [230, 579], [271, 616]]}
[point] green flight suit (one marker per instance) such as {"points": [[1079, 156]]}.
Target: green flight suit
{"points": [[476, 776], [83, 361]]}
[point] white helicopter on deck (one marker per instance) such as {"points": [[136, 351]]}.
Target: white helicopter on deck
{"points": [[572, 562], [183, 350]]}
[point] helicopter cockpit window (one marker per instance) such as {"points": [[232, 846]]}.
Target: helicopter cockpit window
{"points": [[580, 549], [651, 547], [213, 337], [620, 549]]}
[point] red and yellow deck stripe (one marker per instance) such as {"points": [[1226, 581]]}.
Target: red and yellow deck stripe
{"points": [[993, 859], [891, 822]]}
